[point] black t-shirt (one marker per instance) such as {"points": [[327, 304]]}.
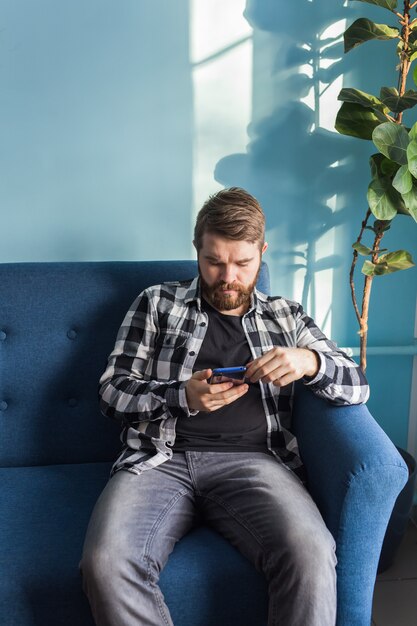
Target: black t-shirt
{"points": [[241, 425]]}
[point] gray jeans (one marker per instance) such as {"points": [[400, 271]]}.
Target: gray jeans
{"points": [[248, 497]]}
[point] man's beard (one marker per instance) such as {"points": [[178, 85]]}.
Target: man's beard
{"points": [[214, 294]]}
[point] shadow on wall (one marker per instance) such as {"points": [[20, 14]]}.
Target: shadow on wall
{"points": [[300, 172]]}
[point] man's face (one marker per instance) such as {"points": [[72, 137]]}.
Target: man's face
{"points": [[229, 270]]}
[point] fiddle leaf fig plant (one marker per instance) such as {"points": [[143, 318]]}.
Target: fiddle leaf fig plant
{"points": [[393, 186]]}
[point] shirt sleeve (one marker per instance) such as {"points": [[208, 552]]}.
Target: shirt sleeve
{"points": [[339, 379], [125, 392]]}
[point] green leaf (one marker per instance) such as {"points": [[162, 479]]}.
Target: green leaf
{"points": [[413, 132], [364, 30], [375, 269], [415, 75], [410, 201], [411, 51], [381, 269], [375, 162], [368, 268], [411, 48], [382, 198], [392, 100], [392, 140], [367, 100], [388, 264], [396, 261], [412, 157], [391, 5], [356, 121], [400, 47], [375, 165], [388, 167], [382, 167], [403, 181], [364, 250]]}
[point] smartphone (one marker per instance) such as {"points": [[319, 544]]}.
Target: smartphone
{"points": [[235, 375]]}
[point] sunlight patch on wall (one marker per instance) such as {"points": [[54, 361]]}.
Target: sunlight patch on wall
{"points": [[221, 58], [327, 81], [329, 104]]}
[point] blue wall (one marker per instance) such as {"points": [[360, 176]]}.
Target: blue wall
{"points": [[96, 124], [118, 118]]}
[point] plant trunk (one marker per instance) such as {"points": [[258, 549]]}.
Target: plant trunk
{"points": [[362, 316], [363, 332]]}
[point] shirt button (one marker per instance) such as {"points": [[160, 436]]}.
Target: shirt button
{"points": [[192, 353], [2, 335], [3, 405], [71, 334], [203, 324]]}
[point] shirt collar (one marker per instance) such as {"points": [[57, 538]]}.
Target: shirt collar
{"points": [[193, 294]]}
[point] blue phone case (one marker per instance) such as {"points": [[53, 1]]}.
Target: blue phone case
{"points": [[235, 375], [229, 370]]}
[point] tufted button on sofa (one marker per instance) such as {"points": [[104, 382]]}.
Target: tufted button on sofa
{"points": [[58, 323]]}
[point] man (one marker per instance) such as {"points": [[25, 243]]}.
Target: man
{"points": [[223, 450]]}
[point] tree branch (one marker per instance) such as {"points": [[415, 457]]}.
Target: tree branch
{"points": [[405, 60], [352, 268]]}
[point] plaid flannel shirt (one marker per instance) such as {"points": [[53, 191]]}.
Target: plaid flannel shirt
{"points": [[157, 345]]}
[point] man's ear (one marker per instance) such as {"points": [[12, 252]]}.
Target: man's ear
{"points": [[264, 247]]}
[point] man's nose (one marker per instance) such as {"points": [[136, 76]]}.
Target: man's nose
{"points": [[228, 274]]}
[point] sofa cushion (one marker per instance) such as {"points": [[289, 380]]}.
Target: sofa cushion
{"points": [[44, 516], [58, 325]]}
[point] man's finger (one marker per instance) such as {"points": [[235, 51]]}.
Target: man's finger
{"points": [[220, 400], [259, 363], [285, 380], [202, 374], [231, 397], [263, 370], [218, 388], [234, 393]]}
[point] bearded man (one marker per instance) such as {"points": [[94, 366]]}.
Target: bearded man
{"points": [[224, 451]]}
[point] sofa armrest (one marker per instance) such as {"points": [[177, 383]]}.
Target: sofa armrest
{"points": [[354, 473]]}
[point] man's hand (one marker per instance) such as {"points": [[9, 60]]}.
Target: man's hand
{"points": [[201, 396], [282, 366]]}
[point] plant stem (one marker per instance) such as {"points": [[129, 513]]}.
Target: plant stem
{"points": [[352, 269], [362, 316], [363, 327], [405, 58], [363, 332]]}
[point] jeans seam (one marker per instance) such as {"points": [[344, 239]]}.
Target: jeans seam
{"points": [[147, 558], [158, 522], [237, 517], [156, 593], [190, 466]]}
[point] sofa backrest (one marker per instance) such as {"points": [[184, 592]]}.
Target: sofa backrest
{"points": [[58, 324]]}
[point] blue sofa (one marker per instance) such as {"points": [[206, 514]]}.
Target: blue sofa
{"points": [[58, 322]]}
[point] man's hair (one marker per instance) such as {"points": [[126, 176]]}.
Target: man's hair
{"points": [[233, 214]]}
